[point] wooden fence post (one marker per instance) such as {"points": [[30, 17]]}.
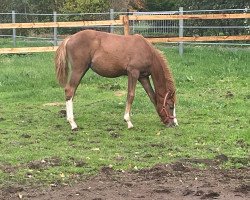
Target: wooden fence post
{"points": [[126, 24], [14, 30], [55, 29], [181, 31]]}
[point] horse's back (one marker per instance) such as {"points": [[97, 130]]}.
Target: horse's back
{"points": [[110, 54]]}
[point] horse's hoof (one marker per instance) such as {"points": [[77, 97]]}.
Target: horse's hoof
{"points": [[75, 129], [130, 126], [170, 125]]}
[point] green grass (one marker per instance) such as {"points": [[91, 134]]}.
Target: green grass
{"points": [[21, 42], [37, 146]]}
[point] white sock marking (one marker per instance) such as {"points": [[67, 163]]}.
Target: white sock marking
{"points": [[70, 115], [127, 119]]}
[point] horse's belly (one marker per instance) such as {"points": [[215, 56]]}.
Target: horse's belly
{"points": [[108, 70], [108, 67], [108, 73]]}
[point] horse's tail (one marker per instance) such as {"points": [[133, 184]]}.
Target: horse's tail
{"points": [[61, 63]]}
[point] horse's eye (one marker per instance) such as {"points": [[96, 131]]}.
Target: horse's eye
{"points": [[171, 107]]}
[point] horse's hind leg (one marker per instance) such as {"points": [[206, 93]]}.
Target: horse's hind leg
{"points": [[132, 79], [78, 71], [69, 111]]}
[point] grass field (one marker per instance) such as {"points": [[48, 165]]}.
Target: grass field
{"points": [[37, 146]]}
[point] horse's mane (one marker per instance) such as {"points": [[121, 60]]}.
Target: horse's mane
{"points": [[170, 85], [164, 67]]}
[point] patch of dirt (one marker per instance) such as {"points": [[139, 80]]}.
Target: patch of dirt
{"points": [[229, 94], [120, 93], [42, 164], [62, 113], [177, 181], [1, 119]]}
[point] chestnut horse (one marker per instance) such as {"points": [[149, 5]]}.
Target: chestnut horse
{"points": [[112, 55]]}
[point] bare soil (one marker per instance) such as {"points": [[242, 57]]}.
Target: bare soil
{"points": [[173, 182]]}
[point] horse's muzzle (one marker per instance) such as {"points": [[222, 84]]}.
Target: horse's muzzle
{"points": [[172, 124]]}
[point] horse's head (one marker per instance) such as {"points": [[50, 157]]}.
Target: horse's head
{"points": [[166, 109]]}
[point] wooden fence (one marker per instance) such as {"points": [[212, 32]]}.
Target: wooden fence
{"points": [[124, 21]]}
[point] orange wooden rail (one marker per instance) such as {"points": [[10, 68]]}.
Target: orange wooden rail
{"points": [[153, 40], [124, 20]]}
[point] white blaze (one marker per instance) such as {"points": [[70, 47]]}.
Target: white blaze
{"points": [[175, 120]]}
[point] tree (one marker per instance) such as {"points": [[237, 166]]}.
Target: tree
{"points": [[85, 6], [215, 5], [212, 5], [159, 5], [136, 5], [119, 5]]}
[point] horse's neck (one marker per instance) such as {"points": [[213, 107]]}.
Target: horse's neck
{"points": [[162, 78]]}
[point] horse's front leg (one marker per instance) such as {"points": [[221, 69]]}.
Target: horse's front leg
{"points": [[148, 88], [133, 76]]}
